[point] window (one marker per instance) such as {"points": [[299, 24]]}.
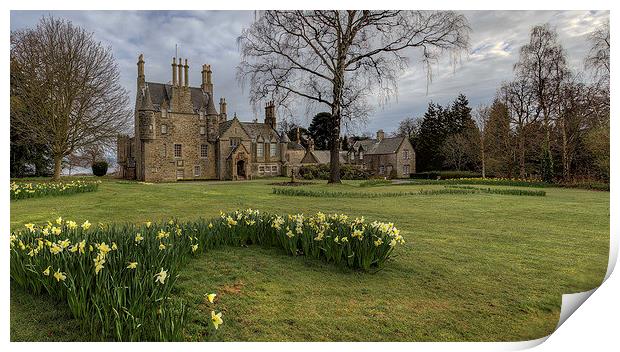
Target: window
{"points": [[204, 150], [405, 154], [261, 169], [273, 149], [151, 128], [177, 151], [196, 170], [406, 170], [164, 113], [180, 174], [274, 169], [164, 129], [381, 169], [164, 150], [361, 155], [202, 130], [235, 142], [260, 151], [202, 115]]}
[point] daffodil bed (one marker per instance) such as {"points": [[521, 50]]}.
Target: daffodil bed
{"points": [[117, 278], [21, 190]]}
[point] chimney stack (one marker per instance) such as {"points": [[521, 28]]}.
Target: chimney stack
{"points": [[180, 72], [207, 85], [310, 144], [298, 136], [174, 71], [186, 79], [380, 135], [141, 78], [270, 114]]}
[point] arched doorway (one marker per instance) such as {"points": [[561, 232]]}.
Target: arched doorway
{"points": [[241, 168]]}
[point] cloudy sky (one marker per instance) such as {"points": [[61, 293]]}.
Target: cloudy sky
{"points": [[210, 37]]}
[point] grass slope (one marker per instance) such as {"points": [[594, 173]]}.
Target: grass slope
{"points": [[478, 267]]}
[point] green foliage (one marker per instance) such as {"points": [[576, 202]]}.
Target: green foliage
{"points": [[445, 175], [485, 181], [320, 130], [22, 190], [100, 168], [504, 191], [321, 172], [117, 279]]}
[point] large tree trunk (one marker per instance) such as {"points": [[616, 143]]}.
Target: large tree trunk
{"points": [[57, 167], [565, 156], [338, 86], [521, 154]]}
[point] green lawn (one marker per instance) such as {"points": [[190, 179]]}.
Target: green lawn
{"points": [[475, 267]]}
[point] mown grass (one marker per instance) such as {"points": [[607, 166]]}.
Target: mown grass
{"points": [[479, 268]]}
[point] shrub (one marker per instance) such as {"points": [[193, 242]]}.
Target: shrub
{"points": [[117, 279], [100, 168], [321, 172], [445, 175]]}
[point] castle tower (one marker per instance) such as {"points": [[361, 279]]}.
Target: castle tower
{"points": [[270, 114], [207, 85], [141, 77], [223, 115]]}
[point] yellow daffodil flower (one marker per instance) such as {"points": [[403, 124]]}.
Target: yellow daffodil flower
{"points": [[71, 224], [132, 265], [161, 276], [216, 319], [211, 296], [59, 276], [194, 248], [138, 238], [86, 225], [46, 272], [56, 230], [210, 225], [161, 246], [30, 227], [59, 220], [378, 242], [148, 224], [114, 246]]}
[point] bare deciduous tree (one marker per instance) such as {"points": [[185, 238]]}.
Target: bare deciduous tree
{"points": [[408, 127], [70, 96], [598, 57], [520, 99], [481, 118], [338, 59], [542, 64]]}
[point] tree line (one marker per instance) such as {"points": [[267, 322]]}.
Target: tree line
{"points": [[547, 122]]}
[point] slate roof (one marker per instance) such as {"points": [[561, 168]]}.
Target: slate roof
{"points": [[159, 92], [385, 146], [324, 156], [255, 129], [295, 146]]}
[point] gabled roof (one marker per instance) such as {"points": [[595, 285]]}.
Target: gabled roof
{"points": [[295, 146], [255, 129], [364, 143], [159, 92], [324, 156], [235, 149], [386, 146]]}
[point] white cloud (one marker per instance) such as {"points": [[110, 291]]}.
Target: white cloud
{"points": [[210, 37]]}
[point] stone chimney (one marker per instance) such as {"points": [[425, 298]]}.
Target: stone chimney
{"points": [[298, 136], [186, 77], [310, 144], [223, 115], [207, 85], [180, 72], [174, 71], [380, 135], [270, 114], [141, 78]]}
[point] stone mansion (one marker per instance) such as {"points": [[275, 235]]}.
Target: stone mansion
{"points": [[180, 135]]}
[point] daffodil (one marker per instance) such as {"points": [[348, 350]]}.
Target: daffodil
{"points": [[139, 238], [114, 246], [194, 248], [71, 224], [211, 296], [55, 249], [378, 242], [59, 276], [148, 224], [56, 230], [132, 265], [162, 246], [46, 272], [216, 319], [30, 227], [59, 220], [393, 243], [86, 225], [161, 276], [210, 225], [104, 248], [82, 246]]}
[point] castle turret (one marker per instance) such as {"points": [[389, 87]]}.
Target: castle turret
{"points": [[270, 114], [146, 116], [207, 85], [141, 77], [213, 119], [223, 115]]}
